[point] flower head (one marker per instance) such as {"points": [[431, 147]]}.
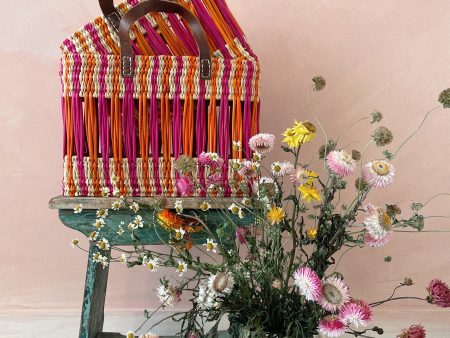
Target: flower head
{"points": [[331, 326], [379, 173], [414, 331], [130, 334], [74, 242], [134, 207], [117, 204], [378, 224], [281, 169], [185, 164], [302, 176], [103, 244], [105, 191], [309, 193], [99, 223], [371, 241], [152, 264], [444, 98], [182, 267], [301, 133], [438, 293], [210, 159], [78, 209], [262, 143], [341, 163], [102, 213], [185, 186], [335, 294], [355, 312], [275, 215], [222, 282], [311, 233], [168, 295], [138, 221], [249, 169], [376, 116], [211, 245], [179, 234], [178, 206], [308, 283], [205, 206]]}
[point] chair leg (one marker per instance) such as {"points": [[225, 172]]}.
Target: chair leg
{"points": [[92, 314]]}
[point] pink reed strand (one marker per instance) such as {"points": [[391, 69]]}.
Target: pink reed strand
{"points": [[247, 120], [183, 34], [210, 27], [200, 130], [224, 125], [154, 127], [176, 119]]}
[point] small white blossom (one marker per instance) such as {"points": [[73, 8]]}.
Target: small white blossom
{"points": [[237, 145], [99, 223], [116, 205], [247, 202], [134, 207], [234, 208], [132, 226], [182, 267], [130, 334], [74, 242], [205, 206], [102, 213], [78, 209], [116, 192], [138, 221], [103, 244], [152, 264], [211, 245], [241, 214], [105, 191], [179, 206], [123, 258], [120, 230], [93, 235], [179, 234]]}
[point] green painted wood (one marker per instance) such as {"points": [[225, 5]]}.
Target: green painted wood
{"points": [[152, 233], [92, 313]]}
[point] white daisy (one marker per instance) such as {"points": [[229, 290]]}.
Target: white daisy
{"points": [[179, 206], [205, 206], [116, 192], [120, 230], [102, 213], [78, 209], [132, 226], [152, 264], [182, 267], [138, 221], [103, 244], [179, 234], [99, 223], [135, 207], [93, 235], [234, 208], [105, 191], [247, 202], [281, 169], [123, 258], [74, 242], [116, 205], [211, 245], [130, 334]]}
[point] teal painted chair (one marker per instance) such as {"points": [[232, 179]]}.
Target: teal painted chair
{"points": [[92, 314]]}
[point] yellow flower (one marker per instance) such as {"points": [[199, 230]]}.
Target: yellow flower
{"points": [[275, 215], [301, 133], [311, 233], [309, 193]]}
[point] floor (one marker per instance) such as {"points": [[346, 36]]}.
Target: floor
{"points": [[65, 324]]}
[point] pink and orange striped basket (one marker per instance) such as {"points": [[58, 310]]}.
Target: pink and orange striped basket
{"points": [[128, 118]]}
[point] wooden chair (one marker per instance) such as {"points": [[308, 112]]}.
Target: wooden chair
{"points": [[92, 314]]}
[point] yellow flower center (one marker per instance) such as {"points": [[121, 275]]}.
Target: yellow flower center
{"points": [[180, 267], [277, 168], [381, 168], [150, 266], [234, 210], [204, 206], [311, 233], [178, 235], [101, 245], [209, 246]]}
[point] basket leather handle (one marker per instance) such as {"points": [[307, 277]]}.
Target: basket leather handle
{"points": [[110, 12], [142, 9]]}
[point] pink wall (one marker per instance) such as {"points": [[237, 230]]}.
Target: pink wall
{"points": [[393, 56]]}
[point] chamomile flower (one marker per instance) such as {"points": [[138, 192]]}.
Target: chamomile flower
{"points": [[241, 213], [138, 221], [179, 234], [234, 208], [120, 230], [116, 205], [237, 145], [78, 209], [105, 191], [74, 242], [135, 207], [182, 267], [281, 169], [99, 223], [205, 206], [102, 213], [93, 236], [179, 206], [103, 244], [247, 202], [152, 264], [211, 245], [123, 258], [130, 334]]}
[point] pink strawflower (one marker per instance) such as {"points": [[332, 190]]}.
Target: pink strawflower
{"points": [[308, 283], [356, 312], [373, 242], [248, 169], [335, 294], [341, 163], [438, 293], [185, 186], [415, 331], [331, 326], [262, 143], [379, 173], [215, 180], [378, 223], [210, 159]]}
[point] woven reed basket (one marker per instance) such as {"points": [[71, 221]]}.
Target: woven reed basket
{"points": [[147, 82]]}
